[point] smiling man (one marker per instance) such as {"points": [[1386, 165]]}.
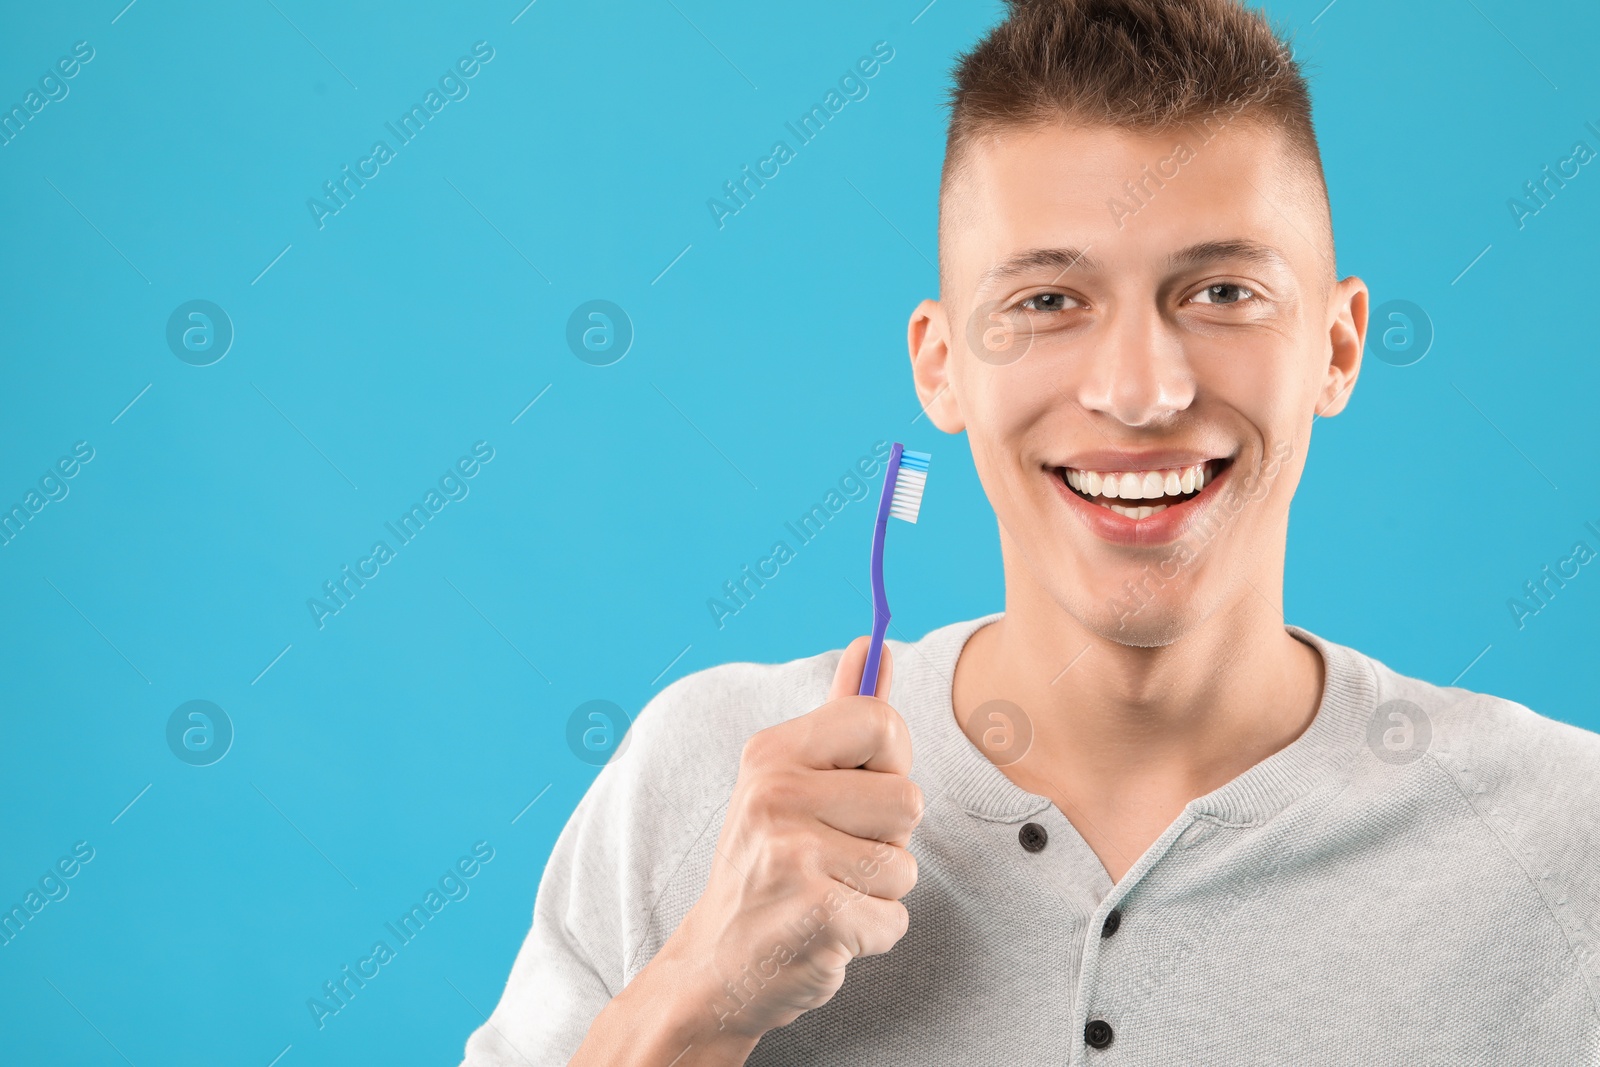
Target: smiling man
{"points": [[1137, 818]]}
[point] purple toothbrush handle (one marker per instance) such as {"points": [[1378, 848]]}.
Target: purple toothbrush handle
{"points": [[869, 673], [880, 601]]}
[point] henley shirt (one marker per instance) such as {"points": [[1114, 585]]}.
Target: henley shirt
{"points": [[1413, 880]]}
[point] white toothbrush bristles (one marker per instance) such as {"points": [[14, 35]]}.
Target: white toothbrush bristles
{"points": [[909, 483]]}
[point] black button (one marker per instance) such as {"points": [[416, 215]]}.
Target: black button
{"points": [[1113, 921], [1033, 837], [1098, 1033]]}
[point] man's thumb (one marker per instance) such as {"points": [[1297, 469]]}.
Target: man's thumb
{"points": [[847, 678]]}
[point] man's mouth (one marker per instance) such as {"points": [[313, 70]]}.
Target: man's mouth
{"points": [[1141, 494]]}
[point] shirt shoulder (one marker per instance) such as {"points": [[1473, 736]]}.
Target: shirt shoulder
{"points": [[1532, 780], [1494, 745]]}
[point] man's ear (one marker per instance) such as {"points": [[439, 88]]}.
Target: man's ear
{"points": [[1347, 334], [928, 337]]}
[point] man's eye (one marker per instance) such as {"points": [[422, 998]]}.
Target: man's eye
{"points": [[1222, 293], [1048, 302]]}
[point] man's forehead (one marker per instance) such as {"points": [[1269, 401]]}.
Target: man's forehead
{"points": [[1104, 194], [1050, 156]]}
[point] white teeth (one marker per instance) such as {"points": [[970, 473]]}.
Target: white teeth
{"points": [[1142, 512], [1138, 485]]}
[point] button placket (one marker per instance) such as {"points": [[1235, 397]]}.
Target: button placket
{"points": [[1098, 1033]]}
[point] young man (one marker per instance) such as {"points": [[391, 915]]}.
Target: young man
{"points": [[1137, 818]]}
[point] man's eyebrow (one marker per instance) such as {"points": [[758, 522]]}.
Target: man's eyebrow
{"points": [[1237, 249], [1068, 258], [1059, 259]]}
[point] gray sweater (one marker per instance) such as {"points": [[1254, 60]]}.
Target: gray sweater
{"points": [[1414, 880]]}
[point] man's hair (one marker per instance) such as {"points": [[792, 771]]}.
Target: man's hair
{"points": [[1144, 66]]}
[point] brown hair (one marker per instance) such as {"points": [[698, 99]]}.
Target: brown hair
{"points": [[1138, 65]]}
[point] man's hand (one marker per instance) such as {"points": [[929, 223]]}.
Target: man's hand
{"points": [[807, 875], [811, 862]]}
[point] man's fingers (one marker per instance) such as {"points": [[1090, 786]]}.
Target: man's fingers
{"points": [[867, 925], [847, 676], [848, 732], [880, 870], [869, 805]]}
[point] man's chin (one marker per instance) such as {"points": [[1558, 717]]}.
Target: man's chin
{"points": [[1154, 629], [1149, 622]]}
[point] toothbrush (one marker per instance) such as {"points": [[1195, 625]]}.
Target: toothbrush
{"points": [[903, 481]]}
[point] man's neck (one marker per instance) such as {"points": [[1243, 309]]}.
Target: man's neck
{"points": [[1123, 737]]}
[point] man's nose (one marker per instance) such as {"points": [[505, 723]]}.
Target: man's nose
{"points": [[1136, 371]]}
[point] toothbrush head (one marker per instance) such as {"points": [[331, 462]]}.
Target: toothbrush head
{"points": [[910, 481]]}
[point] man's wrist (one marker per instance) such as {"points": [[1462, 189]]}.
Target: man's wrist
{"points": [[668, 1015], [672, 1004]]}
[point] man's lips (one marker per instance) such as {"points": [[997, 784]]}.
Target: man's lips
{"points": [[1147, 505]]}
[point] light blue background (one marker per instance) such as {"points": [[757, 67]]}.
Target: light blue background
{"points": [[428, 713]]}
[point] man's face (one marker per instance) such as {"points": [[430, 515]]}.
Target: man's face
{"points": [[1137, 366]]}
